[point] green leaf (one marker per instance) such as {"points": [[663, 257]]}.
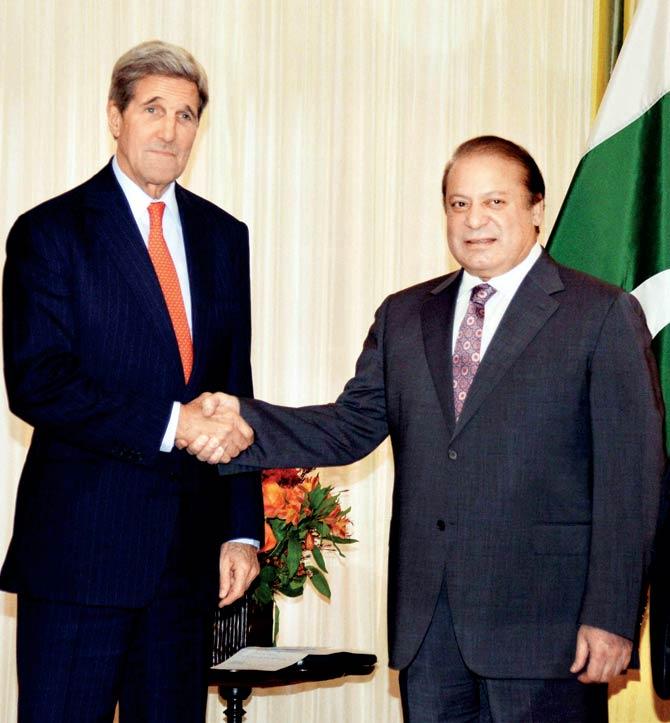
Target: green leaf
{"points": [[294, 556], [275, 523], [263, 594], [342, 540], [323, 529], [316, 497], [294, 588], [280, 532], [319, 581], [267, 574], [318, 558], [278, 527], [290, 592], [326, 507]]}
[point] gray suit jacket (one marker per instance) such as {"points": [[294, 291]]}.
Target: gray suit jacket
{"points": [[539, 504]]}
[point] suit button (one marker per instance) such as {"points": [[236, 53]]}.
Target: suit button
{"points": [[453, 454], [441, 525]]}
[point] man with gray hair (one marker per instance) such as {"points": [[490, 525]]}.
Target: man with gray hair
{"points": [[126, 299]]}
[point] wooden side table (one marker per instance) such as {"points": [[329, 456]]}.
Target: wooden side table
{"points": [[235, 686]]}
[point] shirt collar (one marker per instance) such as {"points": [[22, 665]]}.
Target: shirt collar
{"points": [[508, 282], [139, 200]]}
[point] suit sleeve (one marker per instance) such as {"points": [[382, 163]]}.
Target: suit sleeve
{"points": [[46, 385], [327, 434], [628, 458], [241, 495]]}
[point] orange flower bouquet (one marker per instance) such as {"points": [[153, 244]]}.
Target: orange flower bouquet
{"points": [[302, 519]]}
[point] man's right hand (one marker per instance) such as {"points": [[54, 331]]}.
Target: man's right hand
{"points": [[210, 427], [600, 655]]}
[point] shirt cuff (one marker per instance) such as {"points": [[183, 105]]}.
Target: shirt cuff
{"points": [[247, 541], [168, 438]]}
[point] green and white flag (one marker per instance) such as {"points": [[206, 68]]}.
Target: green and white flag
{"points": [[615, 220]]}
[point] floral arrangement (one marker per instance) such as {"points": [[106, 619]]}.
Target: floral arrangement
{"points": [[302, 519]]}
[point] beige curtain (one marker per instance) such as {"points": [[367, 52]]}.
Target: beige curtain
{"points": [[329, 126]]}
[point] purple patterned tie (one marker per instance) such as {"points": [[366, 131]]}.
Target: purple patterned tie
{"points": [[468, 343]]}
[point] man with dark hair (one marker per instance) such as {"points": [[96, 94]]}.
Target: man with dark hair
{"points": [[523, 407], [496, 146], [125, 300]]}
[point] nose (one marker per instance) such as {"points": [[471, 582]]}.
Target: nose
{"points": [[168, 129], [475, 216]]}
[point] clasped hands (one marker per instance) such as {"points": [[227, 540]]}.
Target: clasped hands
{"points": [[211, 428]]}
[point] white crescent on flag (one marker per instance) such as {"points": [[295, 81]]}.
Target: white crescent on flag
{"points": [[654, 297]]}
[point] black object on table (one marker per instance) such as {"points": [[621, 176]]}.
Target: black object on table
{"points": [[246, 623], [235, 686]]}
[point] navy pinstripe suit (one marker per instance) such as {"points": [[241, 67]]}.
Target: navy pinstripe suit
{"points": [[91, 362]]}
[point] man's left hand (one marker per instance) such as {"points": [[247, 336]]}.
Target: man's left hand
{"points": [[600, 655], [238, 566]]}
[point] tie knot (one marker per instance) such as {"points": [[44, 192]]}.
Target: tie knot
{"points": [[481, 294], [156, 213]]}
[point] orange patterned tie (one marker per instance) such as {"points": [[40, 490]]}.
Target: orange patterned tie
{"points": [[167, 278]]}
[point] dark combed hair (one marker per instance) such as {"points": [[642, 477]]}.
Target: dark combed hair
{"points": [[496, 146], [155, 57]]}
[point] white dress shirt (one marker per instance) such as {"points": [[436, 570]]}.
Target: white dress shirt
{"points": [[506, 286], [139, 202]]}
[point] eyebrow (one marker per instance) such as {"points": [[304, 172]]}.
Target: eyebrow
{"points": [[486, 193]]}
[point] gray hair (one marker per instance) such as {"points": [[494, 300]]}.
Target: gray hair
{"points": [[155, 57]]}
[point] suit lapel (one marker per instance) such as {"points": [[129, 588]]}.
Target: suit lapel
{"points": [[528, 312], [110, 222], [437, 322], [200, 273]]}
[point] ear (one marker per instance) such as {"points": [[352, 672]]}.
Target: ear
{"points": [[537, 213], [114, 119]]}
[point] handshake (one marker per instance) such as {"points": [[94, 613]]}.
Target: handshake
{"points": [[211, 428]]}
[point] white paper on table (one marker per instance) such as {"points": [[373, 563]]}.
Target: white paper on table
{"points": [[259, 658]]}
